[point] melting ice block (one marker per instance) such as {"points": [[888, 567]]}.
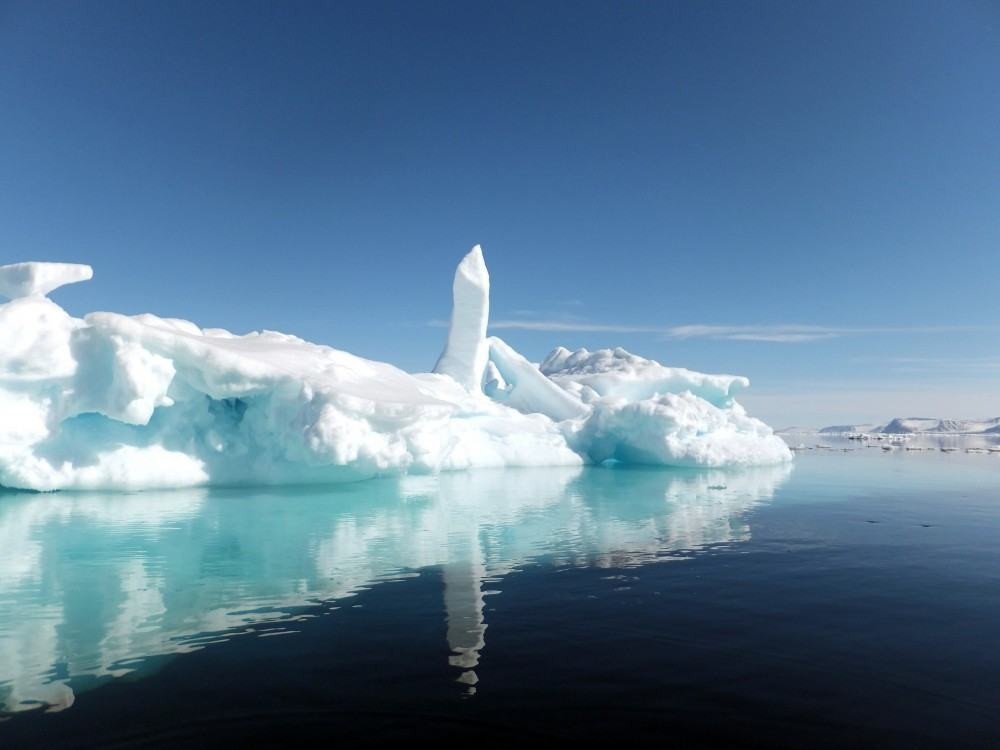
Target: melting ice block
{"points": [[527, 389], [114, 401], [38, 279]]}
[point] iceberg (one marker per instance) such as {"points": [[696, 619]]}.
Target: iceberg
{"points": [[112, 401]]}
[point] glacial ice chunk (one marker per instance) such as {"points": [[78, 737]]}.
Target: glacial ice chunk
{"points": [[527, 389], [642, 412], [676, 429]]}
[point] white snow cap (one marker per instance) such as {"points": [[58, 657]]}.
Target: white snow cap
{"points": [[38, 279], [113, 401]]}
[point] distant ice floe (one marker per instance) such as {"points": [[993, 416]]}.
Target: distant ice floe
{"points": [[113, 401]]}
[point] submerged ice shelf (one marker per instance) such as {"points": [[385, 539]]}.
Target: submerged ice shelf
{"points": [[127, 402]]}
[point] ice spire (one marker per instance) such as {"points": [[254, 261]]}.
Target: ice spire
{"points": [[466, 353]]}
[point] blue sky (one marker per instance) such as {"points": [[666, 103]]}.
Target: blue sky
{"points": [[805, 193]]}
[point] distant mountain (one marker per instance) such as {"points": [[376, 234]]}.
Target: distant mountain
{"points": [[905, 425], [926, 425], [840, 428], [900, 426]]}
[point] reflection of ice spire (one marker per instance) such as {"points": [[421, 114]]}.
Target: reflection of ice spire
{"points": [[144, 554], [463, 603]]}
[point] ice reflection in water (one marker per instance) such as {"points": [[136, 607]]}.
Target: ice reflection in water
{"points": [[90, 585]]}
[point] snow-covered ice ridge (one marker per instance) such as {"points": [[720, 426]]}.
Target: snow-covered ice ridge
{"points": [[128, 402]]}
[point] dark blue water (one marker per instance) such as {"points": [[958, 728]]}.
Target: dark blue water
{"points": [[852, 598]]}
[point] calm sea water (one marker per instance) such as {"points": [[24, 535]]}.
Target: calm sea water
{"points": [[851, 597]]}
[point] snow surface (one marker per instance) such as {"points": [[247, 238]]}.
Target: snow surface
{"points": [[112, 401]]}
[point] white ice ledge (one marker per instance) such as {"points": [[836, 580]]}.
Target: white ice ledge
{"points": [[130, 402], [38, 279]]}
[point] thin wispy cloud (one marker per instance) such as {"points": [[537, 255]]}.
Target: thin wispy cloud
{"points": [[572, 325], [784, 333]]}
